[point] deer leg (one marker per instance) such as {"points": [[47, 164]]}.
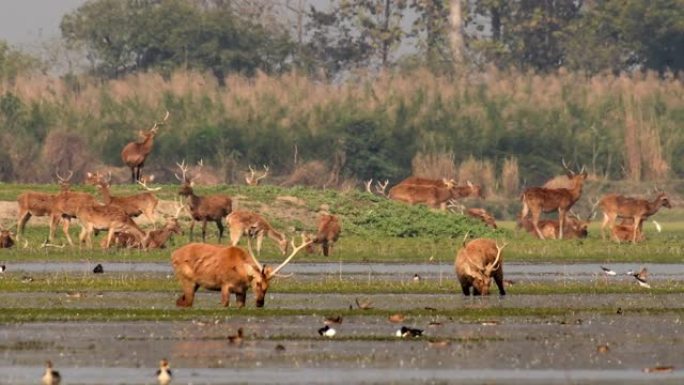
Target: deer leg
{"points": [[192, 228], [561, 223], [65, 229], [637, 223], [606, 220], [219, 224], [187, 298], [535, 224], [235, 235], [225, 295], [204, 229], [466, 289], [326, 248], [110, 236], [21, 223], [82, 235], [241, 298], [54, 219], [498, 278], [259, 241]]}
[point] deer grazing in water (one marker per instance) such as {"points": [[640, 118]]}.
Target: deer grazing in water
{"points": [[66, 205], [135, 153], [477, 263], [252, 179], [143, 203], [614, 206], [328, 233], [254, 226], [536, 200], [203, 208], [230, 270]]}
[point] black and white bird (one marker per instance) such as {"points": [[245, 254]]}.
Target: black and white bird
{"points": [[98, 269], [164, 372], [237, 338], [405, 332], [608, 271], [640, 276], [327, 331], [416, 277], [51, 376], [2, 268]]}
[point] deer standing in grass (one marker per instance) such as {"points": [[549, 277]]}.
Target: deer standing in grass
{"points": [[134, 154], [254, 226], [252, 179], [111, 218], [36, 204], [65, 206], [143, 203], [230, 270], [329, 229], [477, 263], [536, 200], [614, 206], [203, 208]]}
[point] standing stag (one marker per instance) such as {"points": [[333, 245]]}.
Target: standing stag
{"points": [[614, 205], [536, 200], [206, 208], [252, 179], [328, 233], [135, 153], [477, 263], [66, 205], [254, 226], [143, 203], [230, 270]]}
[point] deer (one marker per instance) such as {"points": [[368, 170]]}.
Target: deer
{"points": [[6, 240], [477, 213], [156, 239], [536, 200], [421, 181], [255, 226], [574, 227], [34, 204], [203, 208], [252, 179], [65, 206], [433, 196], [614, 206], [134, 153], [623, 231], [476, 263], [143, 203], [379, 187], [228, 269], [328, 233], [112, 218]]}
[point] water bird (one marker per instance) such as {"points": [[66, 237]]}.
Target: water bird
{"points": [[327, 331], [416, 277], [365, 305], [489, 322], [98, 269], [406, 331], [659, 369], [333, 320], [619, 311], [396, 318], [439, 343], [280, 348], [608, 271], [51, 376], [236, 339], [641, 278], [26, 279], [164, 372], [603, 348], [2, 268], [435, 323]]}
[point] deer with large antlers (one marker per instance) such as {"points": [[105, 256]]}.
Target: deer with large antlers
{"points": [[143, 203], [477, 263], [66, 205], [135, 153], [614, 206], [536, 200], [252, 179], [254, 226], [328, 233], [230, 270], [203, 208]]}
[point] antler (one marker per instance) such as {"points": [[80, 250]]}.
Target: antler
{"points": [[493, 266], [251, 254], [453, 204], [144, 185], [252, 179], [368, 184], [155, 128], [380, 187], [62, 179], [306, 240], [179, 207], [184, 168]]}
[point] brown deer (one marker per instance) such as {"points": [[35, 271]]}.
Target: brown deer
{"points": [[477, 263], [6, 240], [328, 233], [433, 196], [252, 179], [111, 218], [614, 206], [536, 200], [421, 181], [143, 203], [203, 208], [483, 215], [254, 226], [623, 231], [121, 240], [574, 227], [65, 207], [230, 270], [156, 239], [33, 204], [135, 153]]}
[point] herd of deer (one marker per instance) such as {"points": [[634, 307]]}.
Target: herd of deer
{"points": [[232, 270]]}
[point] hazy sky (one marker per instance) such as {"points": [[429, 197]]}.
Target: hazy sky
{"points": [[25, 22]]}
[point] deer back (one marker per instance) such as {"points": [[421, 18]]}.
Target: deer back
{"points": [[38, 204], [328, 229]]}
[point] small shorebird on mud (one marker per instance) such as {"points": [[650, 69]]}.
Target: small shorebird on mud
{"points": [[51, 376], [164, 372]]}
